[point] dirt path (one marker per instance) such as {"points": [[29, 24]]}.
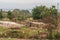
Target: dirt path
{"points": [[10, 24]]}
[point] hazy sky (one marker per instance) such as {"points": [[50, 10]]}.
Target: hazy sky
{"points": [[25, 4]]}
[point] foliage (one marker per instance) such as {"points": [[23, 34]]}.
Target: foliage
{"points": [[20, 18], [20, 13], [2, 29], [36, 12], [15, 13], [9, 15], [40, 12], [1, 15], [57, 35], [24, 32]]}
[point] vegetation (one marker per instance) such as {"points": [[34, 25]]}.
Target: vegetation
{"points": [[23, 32], [9, 15], [47, 15], [1, 15], [15, 14], [42, 12]]}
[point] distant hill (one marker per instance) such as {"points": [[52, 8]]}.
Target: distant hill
{"points": [[21, 13]]}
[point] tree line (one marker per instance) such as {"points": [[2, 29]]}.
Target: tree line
{"points": [[16, 13]]}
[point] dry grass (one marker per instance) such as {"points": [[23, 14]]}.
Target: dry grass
{"points": [[15, 39]]}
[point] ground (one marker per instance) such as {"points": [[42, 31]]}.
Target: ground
{"points": [[15, 39]]}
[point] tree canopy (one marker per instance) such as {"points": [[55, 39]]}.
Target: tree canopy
{"points": [[40, 12]]}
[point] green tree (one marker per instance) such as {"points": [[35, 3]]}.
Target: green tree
{"points": [[9, 15], [1, 15], [38, 12]]}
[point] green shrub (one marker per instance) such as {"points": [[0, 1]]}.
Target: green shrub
{"points": [[3, 29], [24, 32], [20, 18], [57, 35]]}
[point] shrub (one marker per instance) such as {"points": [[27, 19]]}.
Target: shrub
{"points": [[57, 35], [24, 32]]}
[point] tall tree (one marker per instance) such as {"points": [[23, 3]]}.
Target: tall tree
{"points": [[9, 15], [37, 12], [1, 15]]}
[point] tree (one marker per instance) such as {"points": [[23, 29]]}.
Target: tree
{"points": [[46, 14], [38, 12], [16, 13], [1, 16], [9, 15], [21, 14]]}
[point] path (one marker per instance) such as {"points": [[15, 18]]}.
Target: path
{"points": [[9, 24]]}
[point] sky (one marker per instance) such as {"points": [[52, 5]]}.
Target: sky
{"points": [[26, 4]]}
